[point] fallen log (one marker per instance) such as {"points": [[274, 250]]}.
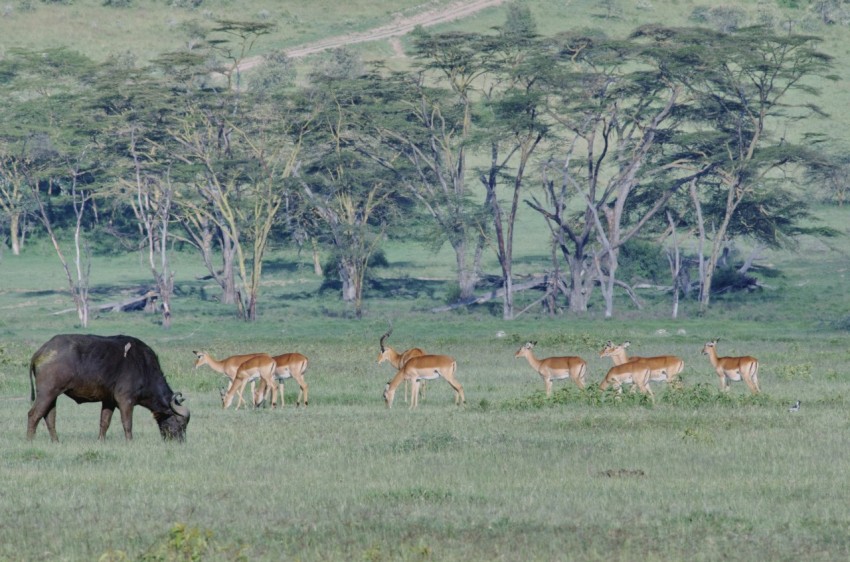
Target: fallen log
{"points": [[494, 294], [134, 303]]}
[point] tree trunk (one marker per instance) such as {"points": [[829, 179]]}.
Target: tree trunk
{"points": [[14, 233], [581, 284], [348, 276], [227, 280], [317, 263]]}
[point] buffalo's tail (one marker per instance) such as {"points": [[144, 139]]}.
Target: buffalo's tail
{"points": [[32, 381]]}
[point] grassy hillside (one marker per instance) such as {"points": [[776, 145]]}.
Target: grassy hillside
{"points": [[147, 28]]}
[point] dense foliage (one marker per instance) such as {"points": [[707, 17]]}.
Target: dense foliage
{"points": [[679, 124]]}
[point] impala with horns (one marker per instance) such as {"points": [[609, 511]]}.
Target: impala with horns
{"points": [[635, 372], [662, 367], [117, 371], [397, 359], [425, 367], [733, 368], [227, 367], [288, 365], [258, 367], [555, 368]]}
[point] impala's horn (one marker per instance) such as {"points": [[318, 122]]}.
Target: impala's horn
{"points": [[386, 335]]}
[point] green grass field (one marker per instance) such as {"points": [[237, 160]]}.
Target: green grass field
{"points": [[511, 475]]}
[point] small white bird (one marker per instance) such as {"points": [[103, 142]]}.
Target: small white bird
{"points": [[795, 407]]}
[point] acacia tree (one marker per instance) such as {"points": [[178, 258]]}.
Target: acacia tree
{"points": [[743, 95], [80, 198], [613, 106], [14, 196], [343, 180], [238, 188], [515, 127], [56, 130], [431, 128], [236, 149]]}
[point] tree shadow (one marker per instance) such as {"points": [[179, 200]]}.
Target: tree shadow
{"points": [[404, 288]]}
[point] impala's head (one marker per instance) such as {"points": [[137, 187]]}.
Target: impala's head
{"points": [[706, 349], [389, 394], [200, 358], [525, 349], [611, 349]]}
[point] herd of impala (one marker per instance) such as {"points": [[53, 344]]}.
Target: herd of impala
{"points": [[415, 366]]}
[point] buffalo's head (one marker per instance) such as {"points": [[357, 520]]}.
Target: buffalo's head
{"points": [[173, 424]]}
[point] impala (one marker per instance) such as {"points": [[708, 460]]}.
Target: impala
{"points": [[259, 366], [288, 365], [397, 359], [662, 367], [634, 372], [555, 368], [425, 367], [227, 367], [733, 368]]}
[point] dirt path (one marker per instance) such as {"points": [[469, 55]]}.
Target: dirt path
{"points": [[400, 26]]}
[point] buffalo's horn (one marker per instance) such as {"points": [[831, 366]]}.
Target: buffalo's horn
{"points": [[177, 405]]}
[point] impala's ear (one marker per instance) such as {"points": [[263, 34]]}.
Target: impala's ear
{"points": [[627, 343]]}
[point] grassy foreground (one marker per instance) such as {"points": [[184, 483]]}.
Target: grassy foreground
{"points": [[510, 476]]}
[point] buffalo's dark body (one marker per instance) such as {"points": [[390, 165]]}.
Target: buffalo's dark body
{"points": [[118, 371]]}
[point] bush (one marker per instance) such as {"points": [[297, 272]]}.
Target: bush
{"points": [[729, 279], [642, 259]]}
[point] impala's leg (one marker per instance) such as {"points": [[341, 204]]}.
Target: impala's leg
{"points": [[580, 377], [238, 388], [302, 392], [756, 378], [724, 385], [258, 396], [459, 396], [548, 382], [274, 392], [750, 376], [235, 387], [646, 388], [242, 392], [414, 393]]}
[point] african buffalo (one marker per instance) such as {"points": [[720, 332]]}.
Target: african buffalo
{"points": [[117, 371]]}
